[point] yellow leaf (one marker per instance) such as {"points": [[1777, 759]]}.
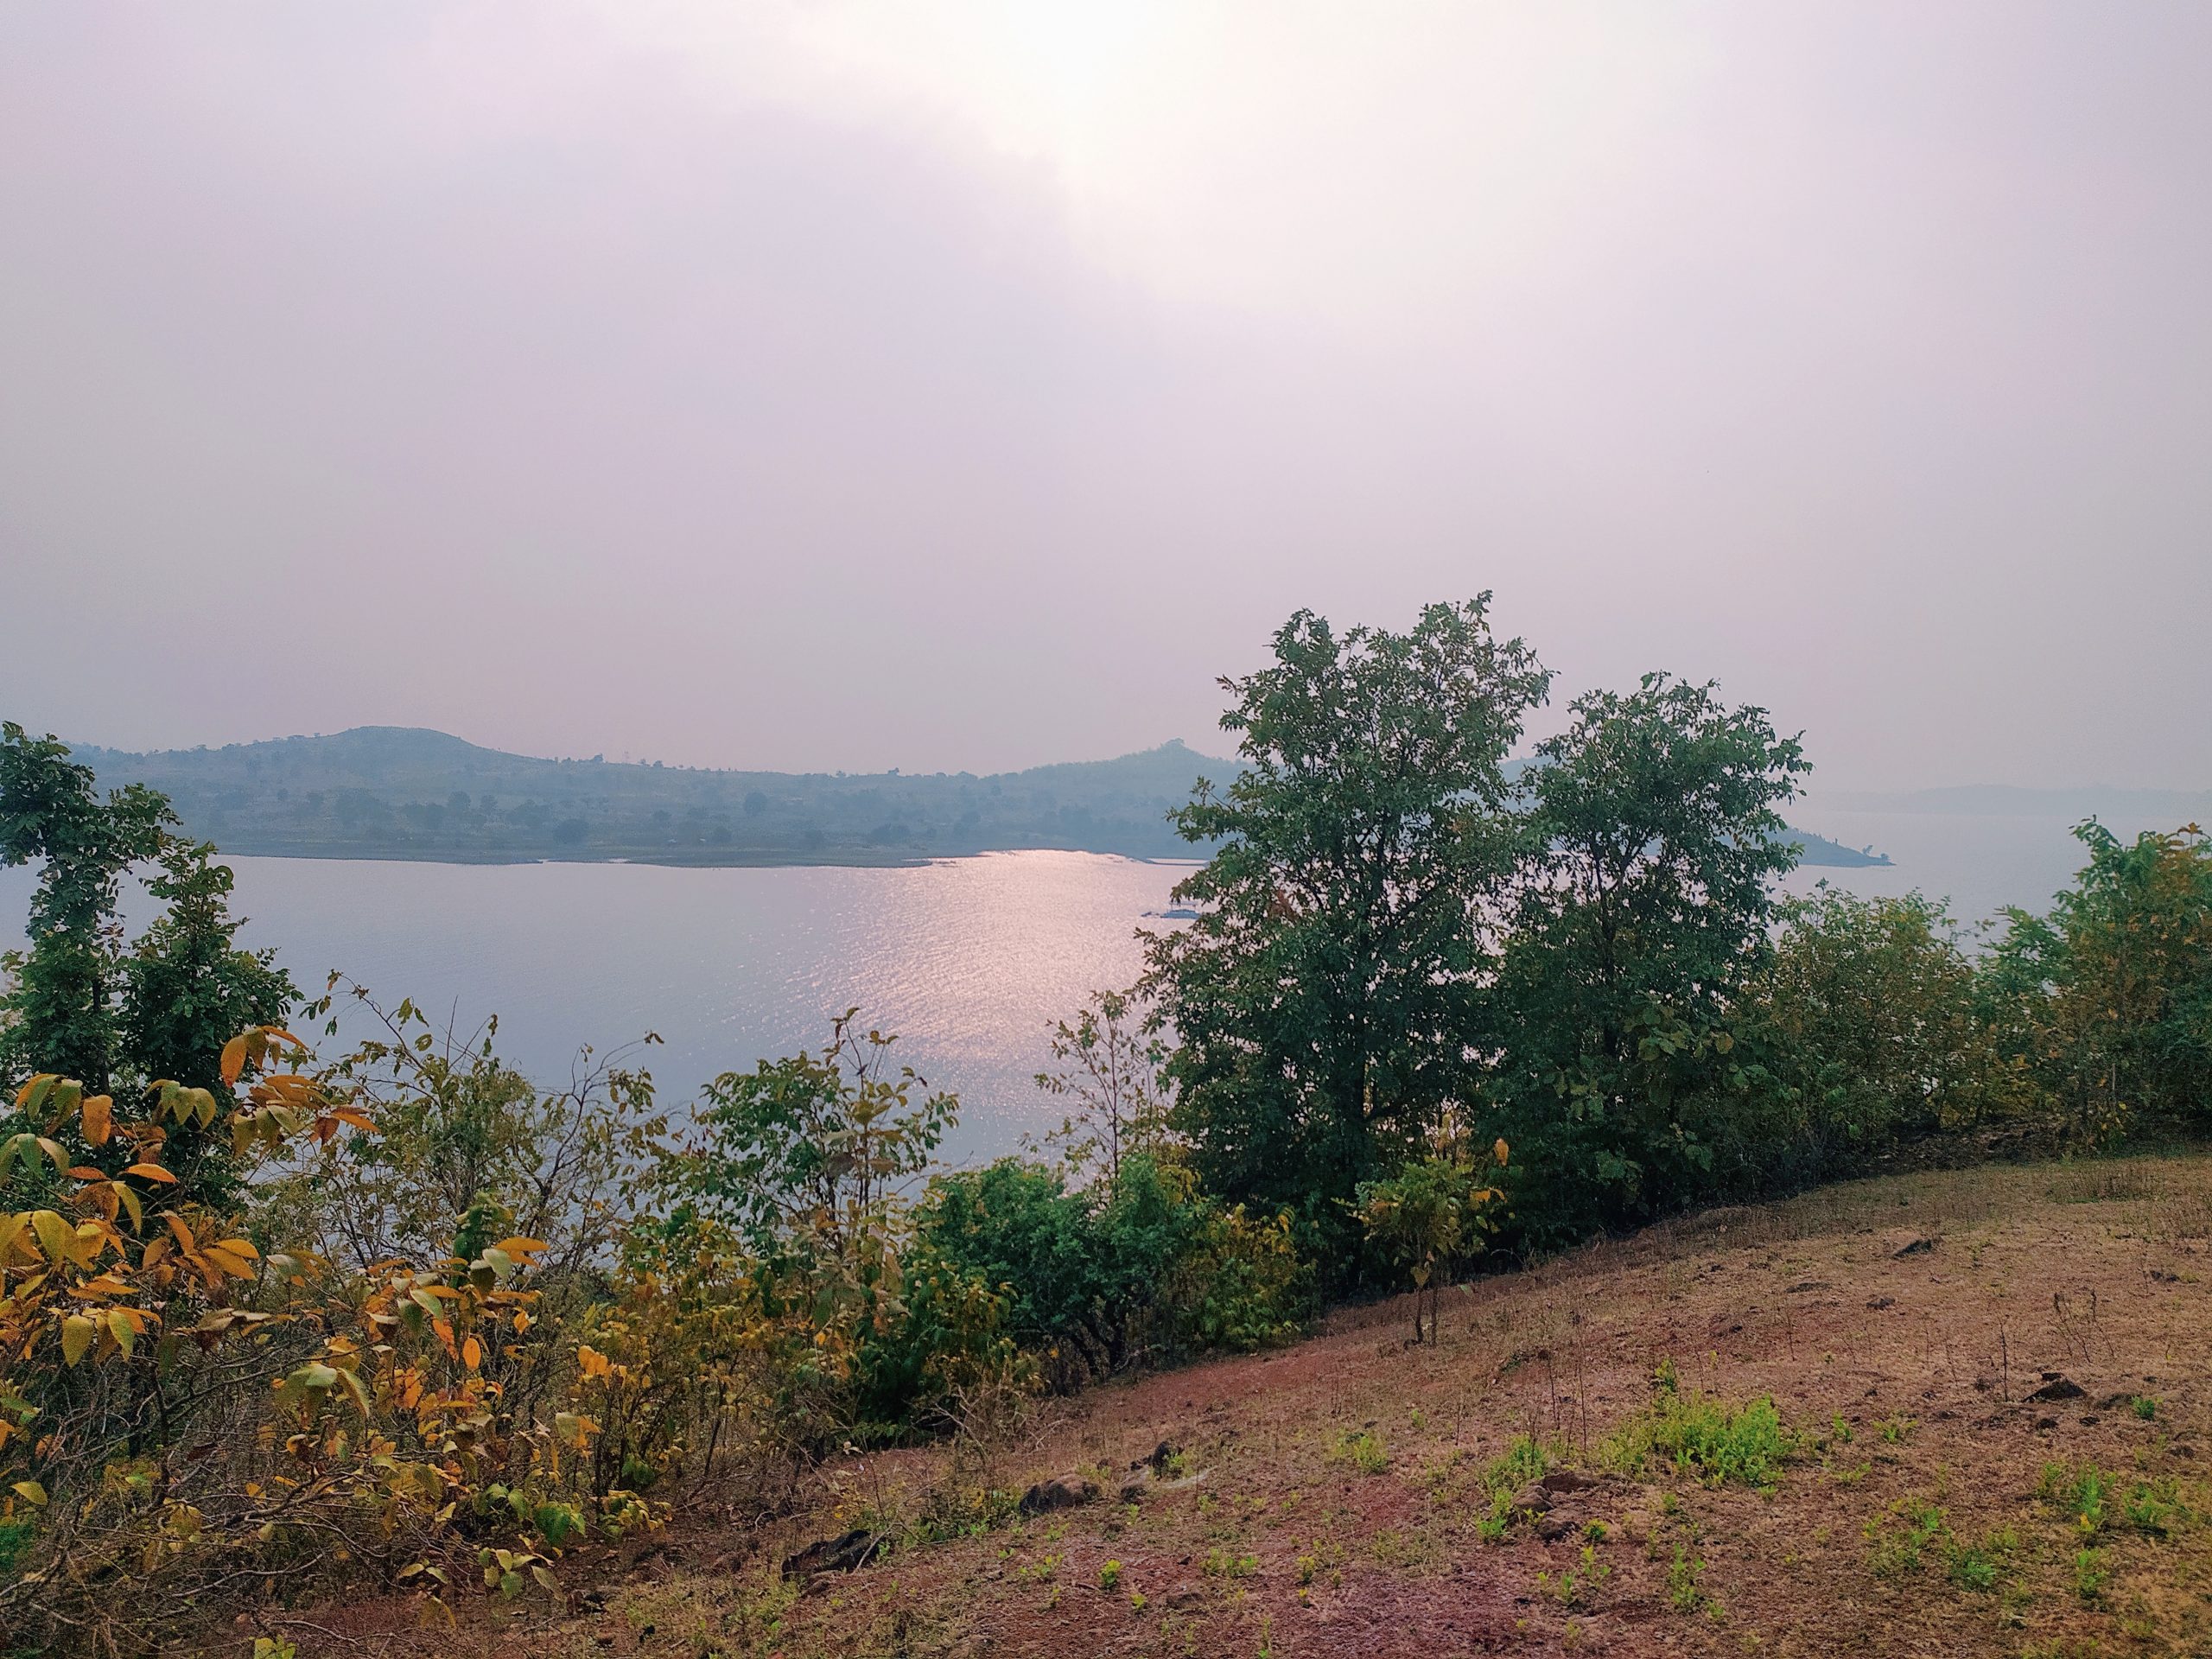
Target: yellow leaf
{"points": [[1499, 1151], [472, 1353], [32, 1491], [99, 1119], [120, 1327], [77, 1334], [150, 1173], [233, 1059], [55, 1236], [184, 1233]]}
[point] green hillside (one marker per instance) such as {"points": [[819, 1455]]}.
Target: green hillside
{"points": [[382, 791], [393, 791]]}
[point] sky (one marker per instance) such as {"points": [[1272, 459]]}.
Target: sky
{"points": [[964, 387]]}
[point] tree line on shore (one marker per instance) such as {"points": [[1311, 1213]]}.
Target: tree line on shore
{"points": [[277, 1322]]}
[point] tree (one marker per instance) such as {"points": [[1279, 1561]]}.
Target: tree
{"points": [[1322, 997], [1867, 1012], [2107, 1001], [1643, 907], [62, 1014], [1429, 1218], [187, 989], [811, 1150], [1110, 1068]]}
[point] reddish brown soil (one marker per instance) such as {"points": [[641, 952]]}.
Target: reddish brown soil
{"points": [[1285, 1545]]}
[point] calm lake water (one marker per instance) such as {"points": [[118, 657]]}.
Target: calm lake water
{"points": [[970, 960]]}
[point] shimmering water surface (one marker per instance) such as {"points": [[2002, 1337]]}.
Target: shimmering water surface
{"points": [[970, 960]]}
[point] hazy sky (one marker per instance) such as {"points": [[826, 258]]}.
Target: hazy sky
{"points": [[945, 387]]}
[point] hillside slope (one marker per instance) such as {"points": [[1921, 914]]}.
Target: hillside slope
{"points": [[1943, 1490]]}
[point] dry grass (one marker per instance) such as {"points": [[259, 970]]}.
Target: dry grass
{"points": [[1346, 1492]]}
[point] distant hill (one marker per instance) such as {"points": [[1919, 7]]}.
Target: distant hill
{"points": [[387, 791], [392, 791]]}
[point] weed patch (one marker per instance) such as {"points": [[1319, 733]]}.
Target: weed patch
{"points": [[1705, 1438]]}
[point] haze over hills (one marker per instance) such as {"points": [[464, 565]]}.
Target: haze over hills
{"points": [[386, 792], [2007, 801]]}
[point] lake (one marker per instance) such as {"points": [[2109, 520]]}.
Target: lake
{"points": [[970, 960]]}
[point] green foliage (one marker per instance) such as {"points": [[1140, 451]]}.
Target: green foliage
{"points": [[1100, 1277], [1109, 1067], [1705, 1438], [1523, 1460], [2090, 1575], [2106, 1003], [1364, 1449], [1430, 1218], [1870, 1017], [1643, 912], [815, 1148], [62, 1014], [1322, 995], [1979, 1563], [1682, 1576], [1901, 1538], [2096, 1500]]}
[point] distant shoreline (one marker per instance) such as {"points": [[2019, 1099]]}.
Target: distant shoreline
{"points": [[400, 795], [1825, 855]]}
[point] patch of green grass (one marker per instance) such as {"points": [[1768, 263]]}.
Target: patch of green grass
{"points": [[1706, 1439], [2090, 1575], [1588, 1574], [2144, 1406], [1110, 1576], [1902, 1540], [1980, 1564], [1363, 1450], [1524, 1459], [1897, 1429], [1220, 1564], [2096, 1499], [1498, 1519], [1682, 1581]]}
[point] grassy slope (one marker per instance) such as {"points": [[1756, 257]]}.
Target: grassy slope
{"points": [[1288, 1546]]}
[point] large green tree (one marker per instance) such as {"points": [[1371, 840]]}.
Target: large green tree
{"points": [[2106, 1003], [1323, 997], [88, 1003], [62, 1012], [1645, 903]]}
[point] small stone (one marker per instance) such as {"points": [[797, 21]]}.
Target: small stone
{"points": [[1060, 1492]]}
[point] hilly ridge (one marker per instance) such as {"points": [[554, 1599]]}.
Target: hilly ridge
{"points": [[406, 793]]}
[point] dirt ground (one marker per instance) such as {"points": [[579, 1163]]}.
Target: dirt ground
{"points": [[1334, 1497]]}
